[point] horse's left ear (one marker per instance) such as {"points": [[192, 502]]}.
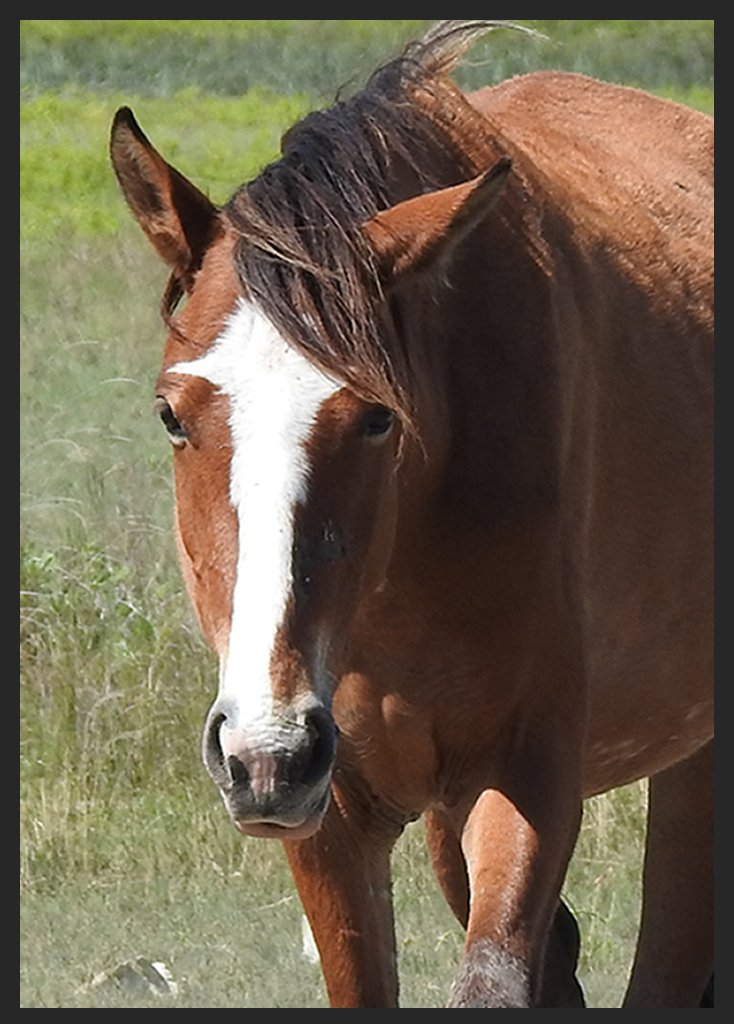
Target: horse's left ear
{"points": [[415, 234], [178, 219]]}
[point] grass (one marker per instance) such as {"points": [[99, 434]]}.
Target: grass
{"points": [[125, 849], [231, 930], [222, 141]]}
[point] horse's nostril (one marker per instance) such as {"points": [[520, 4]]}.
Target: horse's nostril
{"points": [[239, 774], [225, 767], [212, 746], [322, 731]]}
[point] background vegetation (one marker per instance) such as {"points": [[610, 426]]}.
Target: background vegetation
{"points": [[124, 847]]}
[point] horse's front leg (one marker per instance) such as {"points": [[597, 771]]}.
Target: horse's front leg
{"points": [[675, 947], [517, 839], [560, 986], [343, 878]]}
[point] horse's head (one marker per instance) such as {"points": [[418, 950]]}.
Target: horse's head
{"points": [[286, 484]]}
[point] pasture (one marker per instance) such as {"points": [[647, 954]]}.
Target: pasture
{"points": [[125, 849]]}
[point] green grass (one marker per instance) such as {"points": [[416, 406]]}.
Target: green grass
{"points": [[66, 183], [125, 847]]}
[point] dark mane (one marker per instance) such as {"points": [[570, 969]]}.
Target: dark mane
{"points": [[301, 254]]}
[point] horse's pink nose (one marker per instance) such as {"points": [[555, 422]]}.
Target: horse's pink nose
{"points": [[272, 770]]}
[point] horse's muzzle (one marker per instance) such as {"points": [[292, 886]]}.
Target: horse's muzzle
{"points": [[274, 773]]}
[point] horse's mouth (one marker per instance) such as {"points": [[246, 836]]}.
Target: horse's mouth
{"points": [[269, 830], [289, 826]]}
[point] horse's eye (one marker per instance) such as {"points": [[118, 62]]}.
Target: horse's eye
{"points": [[378, 423], [176, 433]]}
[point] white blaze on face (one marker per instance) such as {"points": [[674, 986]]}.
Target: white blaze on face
{"points": [[275, 395]]}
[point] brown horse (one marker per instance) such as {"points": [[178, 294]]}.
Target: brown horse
{"points": [[440, 397]]}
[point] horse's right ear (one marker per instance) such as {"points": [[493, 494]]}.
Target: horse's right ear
{"points": [[177, 218], [417, 234]]}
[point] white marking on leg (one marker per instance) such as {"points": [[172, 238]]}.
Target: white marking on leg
{"points": [[275, 395]]}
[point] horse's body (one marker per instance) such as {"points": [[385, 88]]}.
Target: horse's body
{"points": [[443, 412]]}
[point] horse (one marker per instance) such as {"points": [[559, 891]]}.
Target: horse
{"points": [[438, 383]]}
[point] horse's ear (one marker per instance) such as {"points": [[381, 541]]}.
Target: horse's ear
{"points": [[177, 218], [418, 233]]}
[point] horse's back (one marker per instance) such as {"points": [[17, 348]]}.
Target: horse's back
{"points": [[630, 177]]}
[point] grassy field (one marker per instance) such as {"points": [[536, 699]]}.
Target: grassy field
{"points": [[124, 846]]}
